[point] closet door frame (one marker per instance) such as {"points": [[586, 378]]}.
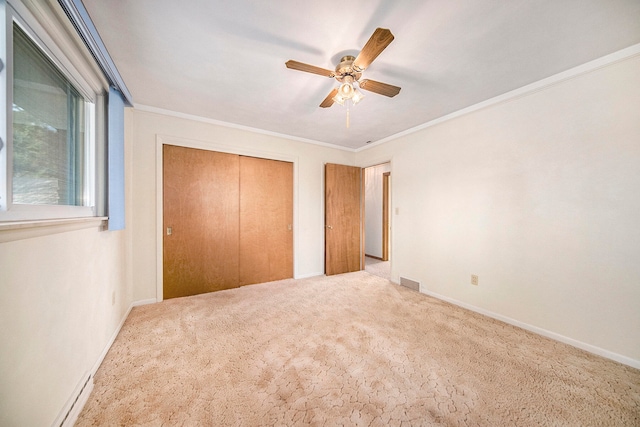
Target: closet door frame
{"points": [[211, 146]]}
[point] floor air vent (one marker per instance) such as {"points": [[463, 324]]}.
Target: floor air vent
{"points": [[411, 284]]}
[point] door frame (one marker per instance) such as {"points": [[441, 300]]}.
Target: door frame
{"points": [[386, 215], [376, 162], [222, 148]]}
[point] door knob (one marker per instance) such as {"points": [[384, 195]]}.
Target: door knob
{"points": [[329, 227]]}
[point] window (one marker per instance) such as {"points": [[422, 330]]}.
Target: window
{"points": [[48, 130], [47, 154]]}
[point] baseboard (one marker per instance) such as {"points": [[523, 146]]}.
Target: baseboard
{"points": [[106, 348], [74, 406], [306, 276], [540, 331], [374, 257], [69, 414], [117, 331], [143, 302]]}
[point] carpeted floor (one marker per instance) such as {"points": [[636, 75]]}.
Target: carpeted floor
{"points": [[352, 349], [377, 267]]}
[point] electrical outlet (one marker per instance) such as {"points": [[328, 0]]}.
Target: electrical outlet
{"points": [[474, 279]]}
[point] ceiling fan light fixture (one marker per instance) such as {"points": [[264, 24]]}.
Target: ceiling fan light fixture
{"points": [[357, 96], [338, 99], [346, 90]]}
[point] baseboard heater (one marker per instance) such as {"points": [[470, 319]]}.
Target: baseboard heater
{"points": [[72, 409], [411, 284]]}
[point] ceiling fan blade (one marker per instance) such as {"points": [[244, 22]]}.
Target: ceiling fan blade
{"points": [[378, 41], [378, 87], [328, 101], [300, 66]]}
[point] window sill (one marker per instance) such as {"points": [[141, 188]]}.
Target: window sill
{"points": [[19, 230]]}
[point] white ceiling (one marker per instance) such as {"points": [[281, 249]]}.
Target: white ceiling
{"points": [[224, 59]]}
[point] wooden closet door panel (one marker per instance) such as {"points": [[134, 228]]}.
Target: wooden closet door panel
{"points": [[201, 206], [343, 219], [266, 220]]}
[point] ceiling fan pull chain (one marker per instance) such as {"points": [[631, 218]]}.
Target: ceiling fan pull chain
{"points": [[348, 123]]}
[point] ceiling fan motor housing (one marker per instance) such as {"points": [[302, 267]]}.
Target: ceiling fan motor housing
{"points": [[345, 68]]}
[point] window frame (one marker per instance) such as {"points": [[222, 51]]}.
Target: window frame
{"points": [[60, 53]]}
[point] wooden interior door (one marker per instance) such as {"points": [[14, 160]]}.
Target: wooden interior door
{"points": [[266, 220], [343, 219], [201, 221]]}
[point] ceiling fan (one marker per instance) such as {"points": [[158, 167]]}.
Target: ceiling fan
{"points": [[349, 71]]}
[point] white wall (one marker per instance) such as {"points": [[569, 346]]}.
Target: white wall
{"points": [[373, 208], [143, 130], [63, 297], [57, 317], [540, 197]]}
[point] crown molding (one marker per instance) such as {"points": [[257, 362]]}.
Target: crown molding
{"points": [[588, 67], [150, 109]]}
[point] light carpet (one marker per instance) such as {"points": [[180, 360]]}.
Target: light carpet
{"points": [[352, 349], [377, 267]]}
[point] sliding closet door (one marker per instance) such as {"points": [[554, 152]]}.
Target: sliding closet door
{"points": [[201, 221], [266, 219]]}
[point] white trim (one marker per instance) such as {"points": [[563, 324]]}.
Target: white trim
{"points": [[52, 44], [20, 230], [87, 31], [25, 212], [6, 102], [380, 160], [69, 414], [322, 223], [80, 396], [89, 193], [112, 339], [170, 113], [159, 221], [45, 32], [540, 331], [144, 302], [588, 67], [222, 148], [100, 157], [79, 403], [307, 276]]}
